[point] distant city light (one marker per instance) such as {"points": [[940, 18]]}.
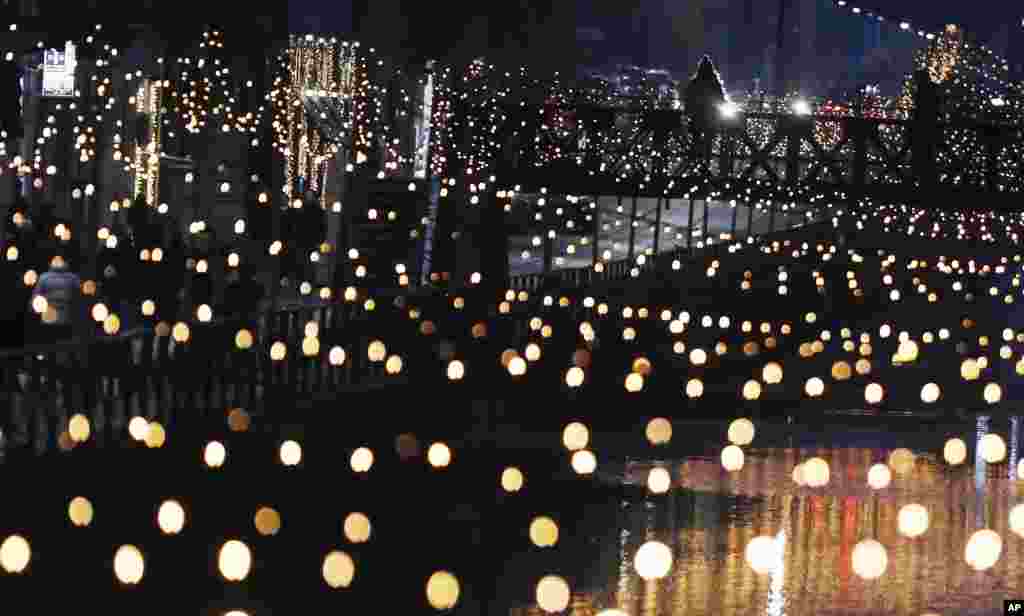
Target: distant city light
{"points": [[801, 107], [998, 102]]}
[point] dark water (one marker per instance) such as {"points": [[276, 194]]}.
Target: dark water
{"points": [[709, 517]]}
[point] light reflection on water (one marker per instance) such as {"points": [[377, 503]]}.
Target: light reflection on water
{"points": [[709, 517]]}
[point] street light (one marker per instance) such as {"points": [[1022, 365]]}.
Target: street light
{"points": [[729, 109], [801, 107]]}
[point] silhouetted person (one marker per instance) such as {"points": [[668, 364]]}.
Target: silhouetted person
{"points": [[63, 313], [704, 95]]}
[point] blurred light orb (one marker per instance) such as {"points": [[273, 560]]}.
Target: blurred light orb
{"points": [[575, 436], [816, 473], [338, 570], [15, 554], [732, 458], [912, 520], [659, 431], [552, 594], [234, 561], [456, 370], [517, 366], [694, 388], [772, 373], [870, 559], [930, 393], [634, 382], [762, 554], [214, 454], [584, 462], [873, 393], [955, 451], [512, 479], [612, 612], [129, 565], [653, 560], [741, 432], [814, 387], [574, 376], [439, 455], [267, 521], [798, 475], [80, 511], [992, 393], [983, 549], [78, 428], [879, 476], [993, 448], [659, 480], [171, 517], [442, 590], [361, 460], [156, 436], [357, 527], [901, 461], [1017, 519], [543, 532], [290, 453]]}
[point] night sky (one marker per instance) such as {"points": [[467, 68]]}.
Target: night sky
{"points": [[629, 26]]}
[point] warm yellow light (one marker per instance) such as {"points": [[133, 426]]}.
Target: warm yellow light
{"points": [[517, 366], [879, 476], [969, 370], [901, 461], [361, 460], [762, 554], [357, 527], [129, 565], [290, 453], [816, 473], [584, 462], [214, 454], [1017, 519], [512, 479], [993, 448], [78, 428], [180, 333], [393, 365], [955, 451], [575, 436], [15, 554], [732, 458], [80, 511], [439, 455], [267, 521], [442, 591], [338, 569], [659, 480], [873, 393], [741, 432], [751, 390], [376, 351], [171, 517], [278, 350], [243, 339], [574, 376], [993, 393], [930, 393], [234, 561], [653, 560], [912, 520], [156, 436], [870, 559], [814, 387], [694, 388], [543, 532], [659, 431], [983, 549], [552, 594]]}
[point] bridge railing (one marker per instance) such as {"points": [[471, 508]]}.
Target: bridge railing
{"points": [[157, 373]]}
